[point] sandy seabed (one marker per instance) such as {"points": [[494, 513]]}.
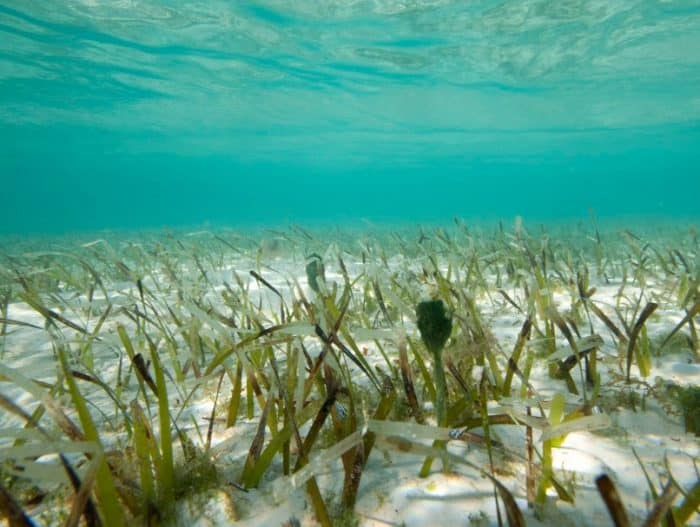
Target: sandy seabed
{"points": [[195, 295]]}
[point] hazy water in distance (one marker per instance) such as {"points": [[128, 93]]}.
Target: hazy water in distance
{"points": [[146, 113]]}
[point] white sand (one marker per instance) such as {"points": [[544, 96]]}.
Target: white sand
{"points": [[391, 493]]}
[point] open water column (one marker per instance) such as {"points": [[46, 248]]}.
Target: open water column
{"points": [[149, 113]]}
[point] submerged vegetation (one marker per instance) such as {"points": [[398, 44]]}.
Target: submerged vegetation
{"points": [[138, 375]]}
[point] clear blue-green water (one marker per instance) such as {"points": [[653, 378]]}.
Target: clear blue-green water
{"points": [[145, 113]]}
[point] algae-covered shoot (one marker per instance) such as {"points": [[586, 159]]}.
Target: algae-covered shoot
{"points": [[315, 271], [435, 327]]}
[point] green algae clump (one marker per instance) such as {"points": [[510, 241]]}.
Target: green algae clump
{"points": [[434, 324], [689, 401], [315, 271]]}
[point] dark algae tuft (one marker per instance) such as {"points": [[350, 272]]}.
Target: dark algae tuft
{"points": [[689, 402], [315, 272], [434, 324], [435, 327]]}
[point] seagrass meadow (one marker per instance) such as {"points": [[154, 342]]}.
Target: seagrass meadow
{"points": [[495, 374]]}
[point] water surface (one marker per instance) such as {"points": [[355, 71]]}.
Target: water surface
{"points": [[134, 114]]}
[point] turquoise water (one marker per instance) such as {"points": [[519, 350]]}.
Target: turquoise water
{"points": [[135, 114]]}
